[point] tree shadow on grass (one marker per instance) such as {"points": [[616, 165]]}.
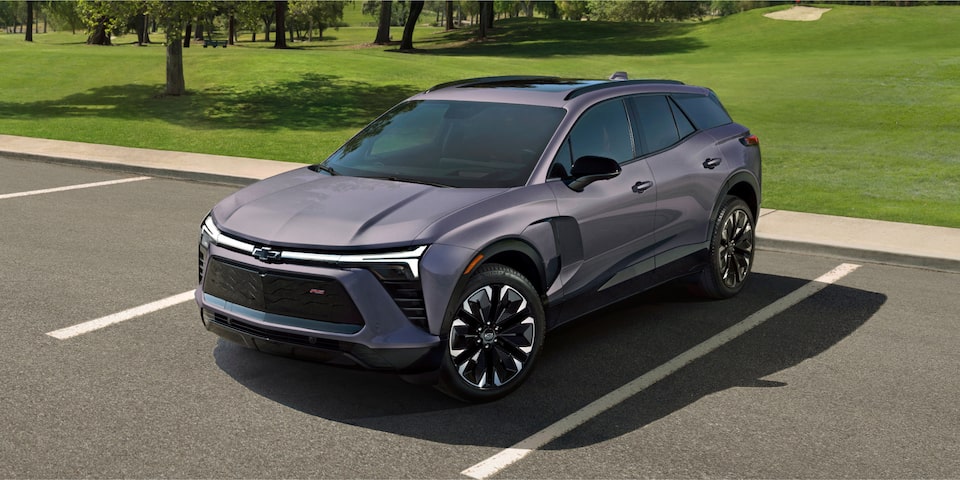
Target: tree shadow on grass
{"points": [[313, 101], [541, 38]]}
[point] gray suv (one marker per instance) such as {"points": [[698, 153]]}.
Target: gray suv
{"points": [[443, 240]]}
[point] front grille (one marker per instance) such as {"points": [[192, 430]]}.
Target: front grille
{"points": [[202, 255], [315, 298], [259, 332], [408, 295]]}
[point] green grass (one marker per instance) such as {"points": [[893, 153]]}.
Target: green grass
{"points": [[856, 112]]}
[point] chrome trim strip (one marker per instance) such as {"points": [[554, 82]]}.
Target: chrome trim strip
{"points": [[217, 237], [409, 258]]}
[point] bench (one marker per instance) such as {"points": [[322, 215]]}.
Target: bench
{"points": [[214, 43]]}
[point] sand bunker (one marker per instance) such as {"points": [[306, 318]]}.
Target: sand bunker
{"points": [[798, 14]]}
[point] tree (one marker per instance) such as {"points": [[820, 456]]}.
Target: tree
{"points": [[383, 24], [486, 18], [280, 7], [316, 15], [105, 17], [448, 15], [63, 15], [29, 35], [406, 43], [573, 9], [174, 16]]}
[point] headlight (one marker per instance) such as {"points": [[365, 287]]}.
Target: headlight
{"points": [[397, 265], [208, 233]]}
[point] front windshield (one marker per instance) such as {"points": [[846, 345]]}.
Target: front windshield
{"points": [[450, 143]]}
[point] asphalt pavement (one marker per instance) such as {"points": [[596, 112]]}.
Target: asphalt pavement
{"points": [[923, 246]]}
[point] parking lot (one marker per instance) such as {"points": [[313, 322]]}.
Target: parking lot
{"points": [[857, 378]]}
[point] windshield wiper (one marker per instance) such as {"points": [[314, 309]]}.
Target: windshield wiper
{"points": [[325, 168], [412, 180]]}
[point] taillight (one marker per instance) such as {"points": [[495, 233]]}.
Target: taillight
{"points": [[750, 140]]}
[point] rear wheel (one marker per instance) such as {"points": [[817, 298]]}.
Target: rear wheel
{"points": [[731, 250], [493, 335]]}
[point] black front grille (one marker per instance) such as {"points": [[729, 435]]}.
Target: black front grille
{"points": [[314, 298], [273, 335], [409, 297]]}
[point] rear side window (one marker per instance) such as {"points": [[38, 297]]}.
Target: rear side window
{"points": [[658, 129], [704, 111]]}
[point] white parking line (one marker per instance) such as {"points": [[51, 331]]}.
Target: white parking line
{"points": [[71, 187], [85, 327], [505, 458]]}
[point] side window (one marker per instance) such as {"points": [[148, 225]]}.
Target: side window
{"points": [[683, 123], [704, 111], [603, 131], [658, 130]]}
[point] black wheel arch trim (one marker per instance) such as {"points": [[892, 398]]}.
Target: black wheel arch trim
{"points": [[511, 245], [733, 187]]}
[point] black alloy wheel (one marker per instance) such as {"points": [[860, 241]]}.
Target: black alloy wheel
{"points": [[731, 250], [493, 335]]}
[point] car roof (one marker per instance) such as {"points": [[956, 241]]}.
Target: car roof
{"points": [[548, 91]]}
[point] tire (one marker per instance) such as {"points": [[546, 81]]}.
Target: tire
{"points": [[492, 336], [732, 245]]}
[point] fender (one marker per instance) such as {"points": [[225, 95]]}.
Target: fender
{"points": [[735, 185]]}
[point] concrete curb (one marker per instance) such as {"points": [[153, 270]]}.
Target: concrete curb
{"points": [[205, 177]]}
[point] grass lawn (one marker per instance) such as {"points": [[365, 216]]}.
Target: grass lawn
{"points": [[857, 112]]}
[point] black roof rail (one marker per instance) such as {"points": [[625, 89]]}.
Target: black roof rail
{"points": [[487, 80], [600, 86]]}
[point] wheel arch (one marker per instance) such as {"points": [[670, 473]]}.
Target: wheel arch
{"points": [[520, 256], [744, 186]]}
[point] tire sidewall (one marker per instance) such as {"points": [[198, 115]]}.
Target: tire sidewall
{"points": [[491, 274], [714, 285]]}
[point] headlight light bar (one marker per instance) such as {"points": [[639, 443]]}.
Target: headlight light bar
{"points": [[209, 233]]}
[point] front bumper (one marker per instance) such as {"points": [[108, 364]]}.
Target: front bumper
{"points": [[363, 327]]}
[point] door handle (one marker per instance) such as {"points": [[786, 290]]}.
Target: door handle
{"points": [[641, 186], [712, 163]]}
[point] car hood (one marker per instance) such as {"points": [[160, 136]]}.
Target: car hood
{"points": [[307, 209]]}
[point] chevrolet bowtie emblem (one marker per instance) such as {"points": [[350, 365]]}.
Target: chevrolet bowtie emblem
{"points": [[265, 254]]}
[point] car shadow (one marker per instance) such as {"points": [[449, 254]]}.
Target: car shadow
{"points": [[581, 362]]}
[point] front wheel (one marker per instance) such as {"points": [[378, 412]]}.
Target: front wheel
{"points": [[493, 335], [731, 251]]}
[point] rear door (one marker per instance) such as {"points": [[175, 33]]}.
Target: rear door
{"points": [[689, 172]]}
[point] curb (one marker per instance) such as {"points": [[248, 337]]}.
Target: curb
{"points": [[772, 244], [214, 178]]}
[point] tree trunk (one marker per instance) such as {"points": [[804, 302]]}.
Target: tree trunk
{"points": [[99, 35], [232, 28], [281, 19], [143, 33], [383, 26], [186, 35], [448, 10], [488, 5], [482, 21], [198, 33], [29, 35], [406, 43], [175, 83], [267, 21]]}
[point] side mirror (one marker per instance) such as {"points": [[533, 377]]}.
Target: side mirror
{"points": [[589, 169]]}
